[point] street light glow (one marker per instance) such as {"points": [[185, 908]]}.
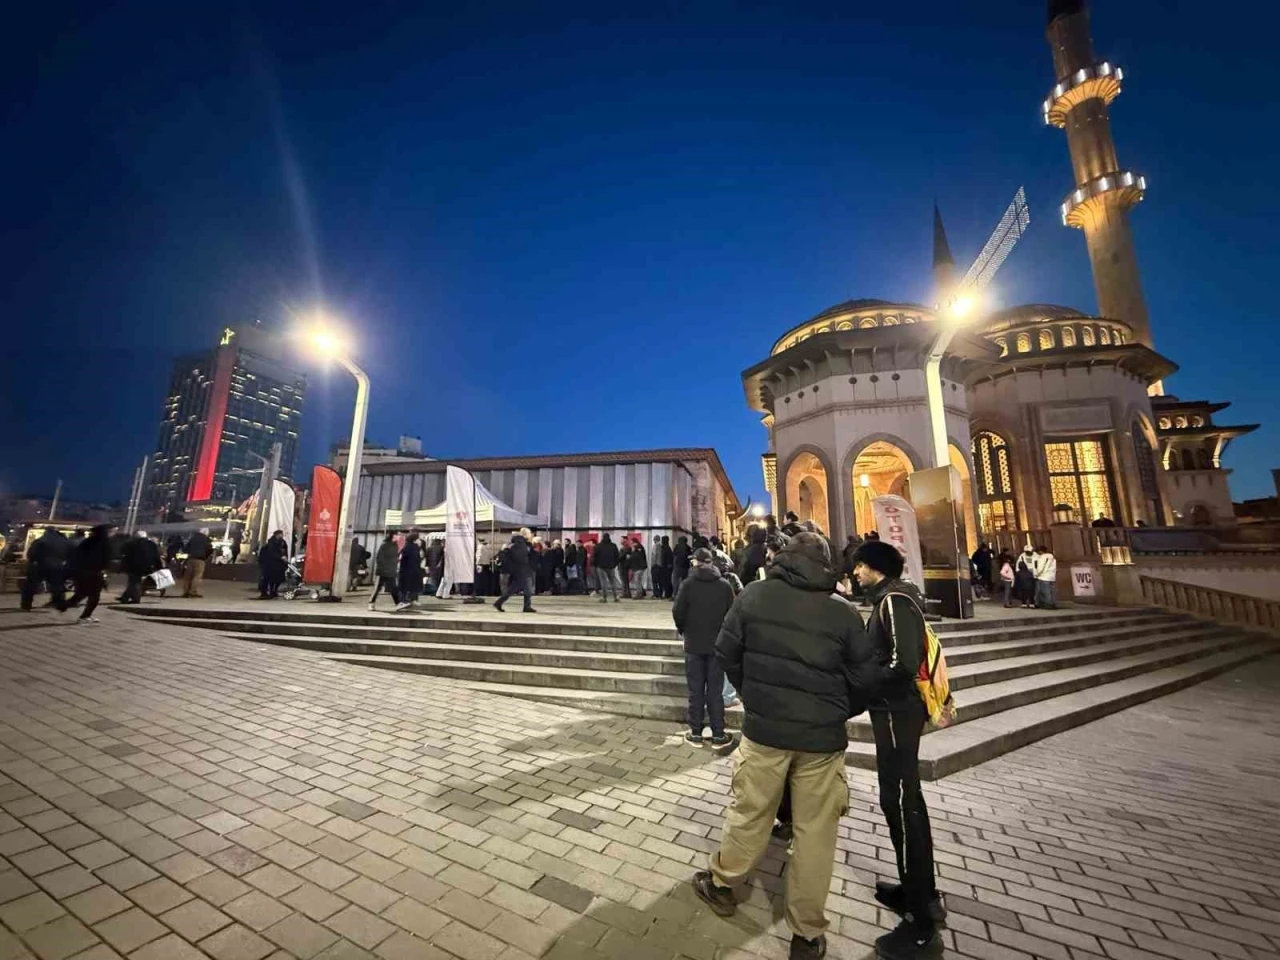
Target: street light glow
{"points": [[757, 510], [326, 342], [962, 306]]}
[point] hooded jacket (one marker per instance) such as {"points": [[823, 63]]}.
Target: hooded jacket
{"points": [[50, 551], [518, 556], [639, 560], [387, 561], [606, 555], [797, 654], [896, 629], [683, 556], [705, 597]]}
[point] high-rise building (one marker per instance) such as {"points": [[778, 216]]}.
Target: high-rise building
{"points": [[224, 405]]}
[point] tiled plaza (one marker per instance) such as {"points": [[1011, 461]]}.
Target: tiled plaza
{"points": [[169, 793]]}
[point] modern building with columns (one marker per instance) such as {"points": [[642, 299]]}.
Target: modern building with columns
{"points": [[1052, 414]]}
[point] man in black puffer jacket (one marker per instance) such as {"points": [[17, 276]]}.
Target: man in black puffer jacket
{"points": [[519, 566], [699, 612], [799, 656]]}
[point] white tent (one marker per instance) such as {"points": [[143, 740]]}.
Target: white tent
{"points": [[490, 512]]}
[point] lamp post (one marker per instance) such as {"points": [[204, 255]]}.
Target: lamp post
{"points": [[328, 344], [950, 320]]}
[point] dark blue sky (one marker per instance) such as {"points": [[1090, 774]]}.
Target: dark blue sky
{"points": [[560, 227]]}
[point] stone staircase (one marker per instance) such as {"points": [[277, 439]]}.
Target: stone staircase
{"points": [[1016, 680]]}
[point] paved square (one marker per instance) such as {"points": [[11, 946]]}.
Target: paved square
{"points": [[170, 793]]}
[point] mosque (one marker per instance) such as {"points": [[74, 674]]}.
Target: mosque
{"points": [[1052, 415]]}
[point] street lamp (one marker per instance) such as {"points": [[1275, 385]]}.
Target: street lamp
{"points": [[326, 342], [958, 310]]}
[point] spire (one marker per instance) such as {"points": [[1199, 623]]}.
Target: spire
{"points": [[941, 249], [1064, 8]]}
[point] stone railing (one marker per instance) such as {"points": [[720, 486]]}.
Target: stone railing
{"points": [[1220, 605]]}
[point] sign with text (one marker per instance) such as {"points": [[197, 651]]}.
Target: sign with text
{"points": [[322, 526], [1082, 581], [1076, 418], [896, 523], [460, 526]]}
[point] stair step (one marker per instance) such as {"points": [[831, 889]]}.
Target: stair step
{"points": [[981, 652], [956, 748]]}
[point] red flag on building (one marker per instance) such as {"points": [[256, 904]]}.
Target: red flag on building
{"points": [[322, 526]]}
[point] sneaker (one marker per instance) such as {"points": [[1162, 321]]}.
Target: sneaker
{"points": [[87, 620], [528, 610], [803, 949], [719, 899], [891, 896], [401, 606], [497, 605], [722, 740], [909, 942], [783, 831], [371, 606], [694, 738]]}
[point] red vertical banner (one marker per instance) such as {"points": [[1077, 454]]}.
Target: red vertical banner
{"points": [[322, 526]]}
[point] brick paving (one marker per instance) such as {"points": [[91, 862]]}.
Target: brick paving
{"points": [[169, 793]]}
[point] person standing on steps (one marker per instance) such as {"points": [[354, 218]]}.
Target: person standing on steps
{"points": [[639, 569], [273, 562], [1024, 577], [410, 572], [799, 656], [699, 612], [1046, 567], [897, 631], [518, 565], [682, 557], [386, 565], [605, 559]]}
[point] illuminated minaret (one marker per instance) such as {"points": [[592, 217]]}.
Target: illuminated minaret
{"points": [[1099, 205]]}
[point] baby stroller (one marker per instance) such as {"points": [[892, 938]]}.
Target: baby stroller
{"points": [[292, 586]]}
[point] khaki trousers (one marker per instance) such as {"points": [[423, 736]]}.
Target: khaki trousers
{"points": [[194, 578], [819, 798]]}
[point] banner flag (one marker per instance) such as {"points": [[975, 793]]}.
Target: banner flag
{"points": [[280, 516], [896, 523], [322, 526], [460, 526]]}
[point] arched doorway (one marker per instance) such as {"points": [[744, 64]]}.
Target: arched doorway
{"points": [[807, 486], [880, 468], [1147, 477], [993, 473], [961, 463], [1199, 516]]}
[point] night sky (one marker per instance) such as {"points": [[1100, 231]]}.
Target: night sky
{"points": [[569, 227]]}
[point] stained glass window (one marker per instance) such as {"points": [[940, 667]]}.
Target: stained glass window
{"points": [[1046, 339], [993, 474], [1024, 343], [1080, 476], [1104, 334], [1068, 336], [1087, 333]]}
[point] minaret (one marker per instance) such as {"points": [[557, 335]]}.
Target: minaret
{"points": [[1099, 205], [944, 265]]}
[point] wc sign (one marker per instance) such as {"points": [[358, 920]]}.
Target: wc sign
{"points": [[1082, 582]]}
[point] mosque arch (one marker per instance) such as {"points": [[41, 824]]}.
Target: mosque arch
{"points": [[1068, 336], [1198, 515], [1046, 340], [1148, 470], [970, 526], [993, 479], [806, 486], [1104, 335], [1087, 336], [878, 466], [1024, 343]]}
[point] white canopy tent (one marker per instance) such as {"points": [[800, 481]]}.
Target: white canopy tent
{"points": [[489, 512]]}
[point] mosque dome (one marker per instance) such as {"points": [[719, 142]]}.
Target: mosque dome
{"points": [[1028, 313], [855, 315]]}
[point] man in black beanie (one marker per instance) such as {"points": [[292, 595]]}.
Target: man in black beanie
{"points": [[897, 632]]}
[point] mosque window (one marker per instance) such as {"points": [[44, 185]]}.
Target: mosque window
{"points": [[889, 322], [1197, 421], [1117, 337], [910, 319], [1104, 335], [1087, 335], [1068, 336], [1180, 422], [994, 478], [868, 322], [1024, 343], [1003, 344], [1165, 423], [844, 325], [1147, 473], [1046, 340], [1080, 476]]}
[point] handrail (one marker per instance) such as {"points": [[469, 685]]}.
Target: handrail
{"points": [[1221, 605]]}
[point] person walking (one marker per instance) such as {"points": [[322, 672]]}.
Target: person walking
{"points": [[519, 560], [682, 557], [46, 563], [798, 655], [93, 556], [606, 559], [199, 550], [386, 565], [410, 573], [1007, 577], [792, 525], [668, 563], [753, 562], [982, 559], [699, 611], [897, 631], [139, 558], [273, 561], [1046, 570], [639, 570]]}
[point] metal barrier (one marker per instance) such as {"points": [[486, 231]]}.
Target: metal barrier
{"points": [[1220, 605]]}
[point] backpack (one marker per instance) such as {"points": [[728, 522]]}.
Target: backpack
{"points": [[931, 679]]}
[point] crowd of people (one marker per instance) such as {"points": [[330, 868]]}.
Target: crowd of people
{"points": [[797, 651], [1028, 580]]}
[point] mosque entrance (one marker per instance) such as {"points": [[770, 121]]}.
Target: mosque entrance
{"points": [[807, 491], [881, 468]]}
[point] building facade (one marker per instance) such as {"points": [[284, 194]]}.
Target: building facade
{"points": [[653, 492], [225, 405], [1052, 415]]}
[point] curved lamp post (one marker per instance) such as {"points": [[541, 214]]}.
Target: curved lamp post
{"points": [[953, 316]]}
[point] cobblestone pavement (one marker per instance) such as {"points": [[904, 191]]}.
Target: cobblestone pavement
{"points": [[167, 794]]}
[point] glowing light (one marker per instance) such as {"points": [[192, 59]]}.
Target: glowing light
{"points": [[962, 306], [864, 480], [757, 510]]}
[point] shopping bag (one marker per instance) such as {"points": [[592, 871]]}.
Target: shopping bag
{"points": [[162, 578]]}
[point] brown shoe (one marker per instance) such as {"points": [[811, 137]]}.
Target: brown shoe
{"points": [[719, 899]]}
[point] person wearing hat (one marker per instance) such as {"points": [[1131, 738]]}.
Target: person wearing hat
{"points": [[798, 655], [704, 599], [897, 632]]}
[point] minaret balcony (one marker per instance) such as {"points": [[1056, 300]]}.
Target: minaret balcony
{"points": [[1121, 188], [1099, 80]]}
